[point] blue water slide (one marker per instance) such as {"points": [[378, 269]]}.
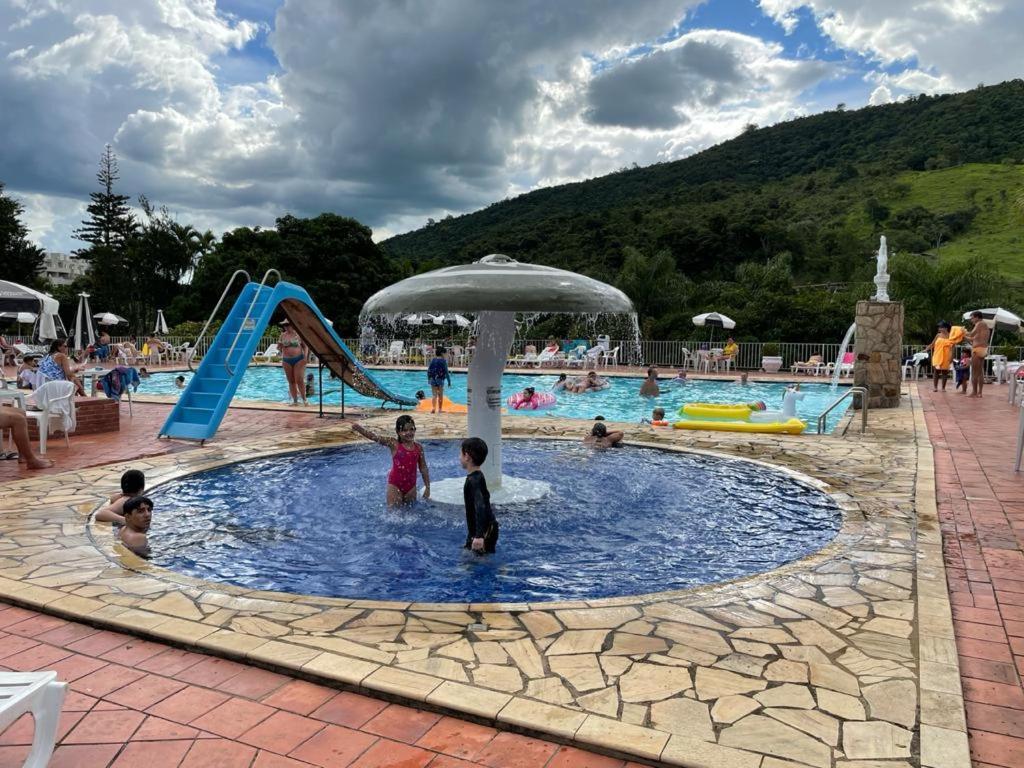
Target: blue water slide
{"points": [[204, 402]]}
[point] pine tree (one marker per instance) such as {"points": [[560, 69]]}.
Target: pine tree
{"points": [[110, 221], [20, 260]]}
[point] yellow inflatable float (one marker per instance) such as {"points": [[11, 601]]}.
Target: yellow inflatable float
{"points": [[717, 410], [790, 427], [447, 405]]}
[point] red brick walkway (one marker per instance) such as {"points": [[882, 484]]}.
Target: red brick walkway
{"points": [[981, 508], [137, 703]]}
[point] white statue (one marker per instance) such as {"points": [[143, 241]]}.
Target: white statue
{"points": [[882, 273]]}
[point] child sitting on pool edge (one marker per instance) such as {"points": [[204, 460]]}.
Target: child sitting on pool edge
{"points": [[481, 525], [406, 456]]}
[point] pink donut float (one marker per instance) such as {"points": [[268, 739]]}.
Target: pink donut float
{"points": [[539, 401]]}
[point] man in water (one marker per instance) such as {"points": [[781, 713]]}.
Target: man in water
{"points": [[600, 437], [481, 525], [978, 338], [650, 386]]}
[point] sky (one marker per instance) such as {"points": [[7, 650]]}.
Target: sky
{"points": [[235, 112]]}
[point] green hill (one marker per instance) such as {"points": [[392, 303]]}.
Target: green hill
{"points": [[931, 171]]}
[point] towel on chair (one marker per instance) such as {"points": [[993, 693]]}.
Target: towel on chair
{"points": [[50, 394], [118, 380]]}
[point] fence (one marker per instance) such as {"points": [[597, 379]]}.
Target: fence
{"points": [[645, 352]]}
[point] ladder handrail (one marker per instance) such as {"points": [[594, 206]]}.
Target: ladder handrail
{"points": [[863, 392], [248, 312], [237, 272]]}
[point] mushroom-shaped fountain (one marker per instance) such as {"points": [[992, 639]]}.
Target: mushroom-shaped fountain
{"points": [[494, 288]]}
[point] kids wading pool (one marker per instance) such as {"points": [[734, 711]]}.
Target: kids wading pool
{"points": [[618, 522]]}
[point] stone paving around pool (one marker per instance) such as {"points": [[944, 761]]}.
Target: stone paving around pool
{"points": [[846, 658]]}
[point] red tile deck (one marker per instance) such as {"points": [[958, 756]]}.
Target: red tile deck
{"points": [[981, 509]]}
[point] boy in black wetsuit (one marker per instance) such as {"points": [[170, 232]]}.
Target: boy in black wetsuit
{"points": [[481, 525]]}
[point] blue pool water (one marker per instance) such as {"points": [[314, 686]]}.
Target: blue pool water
{"points": [[618, 522], [620, 402]]}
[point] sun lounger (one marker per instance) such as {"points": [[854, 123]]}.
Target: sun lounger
{"points": [[41, 694]]}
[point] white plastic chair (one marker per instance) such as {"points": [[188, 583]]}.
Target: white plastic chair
{"points": [[396, 352], [41, 694], [702, 360], [610, 357], [55, 393], [577, 357], [913, 366]]}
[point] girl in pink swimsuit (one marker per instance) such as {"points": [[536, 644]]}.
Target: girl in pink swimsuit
{"points": [[406, 456]]}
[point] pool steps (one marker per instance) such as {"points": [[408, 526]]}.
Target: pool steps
{"points": [[202, 405]]}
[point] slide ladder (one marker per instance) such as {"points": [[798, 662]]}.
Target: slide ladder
{"points": [[202, 404]]}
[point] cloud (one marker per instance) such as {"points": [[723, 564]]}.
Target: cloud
{"points": [[950, 44]]}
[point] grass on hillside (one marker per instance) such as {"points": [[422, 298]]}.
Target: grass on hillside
{"points": [[997, 232]]}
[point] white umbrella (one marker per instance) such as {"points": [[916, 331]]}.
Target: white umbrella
{"points": [[108, 318], [416, 319], [161, 323], [84, 335], [714, 320], [456, 319], [998, 317], [20, 318]]}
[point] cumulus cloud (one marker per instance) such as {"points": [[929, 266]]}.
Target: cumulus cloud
{"points": [[390, 111], [949, 44]]}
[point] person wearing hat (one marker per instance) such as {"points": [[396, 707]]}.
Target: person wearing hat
{"points": [[293, 361]]}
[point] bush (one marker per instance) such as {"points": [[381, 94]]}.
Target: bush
{"points": [[1009, 351], [770, 349]]}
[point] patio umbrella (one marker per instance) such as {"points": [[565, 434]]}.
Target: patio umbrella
{"points": [[21, 318], [108, 318], [84, 334], [999, 318], [416, 319], [161, 323], [714, 320], [456, 319], [18, 298]]}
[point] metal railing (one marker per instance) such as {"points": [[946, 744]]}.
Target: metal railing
{"points": [[245, 320], [850, 392], [202, 333]]}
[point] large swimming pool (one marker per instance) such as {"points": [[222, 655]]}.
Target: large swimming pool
{"points": [[618, 522], [621, 402]]}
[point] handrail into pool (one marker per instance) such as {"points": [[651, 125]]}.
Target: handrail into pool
{"points": [[850, 392], [245, 320], [237, 272]]}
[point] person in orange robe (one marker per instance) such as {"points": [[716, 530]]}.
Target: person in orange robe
{"points": [[942, 353]]}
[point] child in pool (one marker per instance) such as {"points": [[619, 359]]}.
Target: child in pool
{"points": [[481, 525], [657, 417], [600, 437], [310, 386], [406, 456], [133, 484], [437, 375], [562, 383], [179, 382], [138, 516], [525, 398]]}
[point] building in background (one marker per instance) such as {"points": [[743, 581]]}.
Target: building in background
{"points": [[62, 268]]}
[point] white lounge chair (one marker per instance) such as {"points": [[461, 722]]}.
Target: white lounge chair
{"points": [[269, 353], [41, 694], [576, 357], [812, 364], [529, 357]]}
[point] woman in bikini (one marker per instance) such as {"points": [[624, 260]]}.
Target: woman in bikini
{"points": [[293, 361], [406, 456]]}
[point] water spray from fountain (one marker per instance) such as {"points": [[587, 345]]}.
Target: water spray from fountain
{"points": [[495, 289]]}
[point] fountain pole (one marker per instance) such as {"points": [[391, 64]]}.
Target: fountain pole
{"points": [[495, 332]]}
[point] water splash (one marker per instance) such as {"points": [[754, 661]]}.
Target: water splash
{"points": [[837, 371]]}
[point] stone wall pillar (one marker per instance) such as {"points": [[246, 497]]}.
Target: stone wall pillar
{"points": [[879, 352]]}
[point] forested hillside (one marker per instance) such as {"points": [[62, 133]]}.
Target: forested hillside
{"points": [[941, 176]]}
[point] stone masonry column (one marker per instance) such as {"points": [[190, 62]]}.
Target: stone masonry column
{"points": [[879, 351]]}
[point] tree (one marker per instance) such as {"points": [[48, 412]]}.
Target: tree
{"points": [[331, 256], [651, 282], [20, 260], [110, 221]]}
